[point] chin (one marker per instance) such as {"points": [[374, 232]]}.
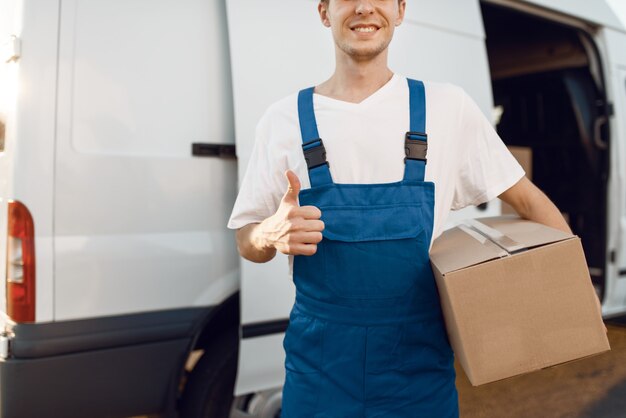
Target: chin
{"points": [[364, 53]]}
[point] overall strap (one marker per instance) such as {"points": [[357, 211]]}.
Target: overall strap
{"points": [[312, 145], [415, 142]]}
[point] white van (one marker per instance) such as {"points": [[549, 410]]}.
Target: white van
{"points": [[124, 292]]}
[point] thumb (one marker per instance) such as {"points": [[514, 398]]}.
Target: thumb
{"points": [[293, 189]]}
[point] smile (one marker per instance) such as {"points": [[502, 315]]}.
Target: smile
{"points": [[365, 29]]}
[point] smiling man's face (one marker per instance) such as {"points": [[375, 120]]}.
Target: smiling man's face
{"points": [[362, 29]]}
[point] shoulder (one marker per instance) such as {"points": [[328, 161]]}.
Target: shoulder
{"points": [[281, 110], [279, 126], [444, 92], [445, 102], [439, 93], [279, 120]]}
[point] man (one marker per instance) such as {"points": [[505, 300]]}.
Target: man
{"points": [[357, 211]]}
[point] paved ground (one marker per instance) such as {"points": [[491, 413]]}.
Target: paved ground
{"points": [[590, 388]]}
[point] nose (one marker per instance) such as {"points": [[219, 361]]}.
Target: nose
{"points": [[364, 7]]}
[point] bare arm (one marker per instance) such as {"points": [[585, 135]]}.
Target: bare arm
{"points": [[293, 229], [532, 204], [251, 245]]}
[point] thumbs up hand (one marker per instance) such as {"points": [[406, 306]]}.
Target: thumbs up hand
{"points": [[293, 229], [293, 189]]}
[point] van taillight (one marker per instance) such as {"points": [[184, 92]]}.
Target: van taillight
{"points": [[20, 264]]}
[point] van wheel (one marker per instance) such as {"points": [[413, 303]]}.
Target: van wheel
{"points": [[265, 404], [209, 389]]}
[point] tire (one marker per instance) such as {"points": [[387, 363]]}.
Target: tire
{"points": [[209, 389]]}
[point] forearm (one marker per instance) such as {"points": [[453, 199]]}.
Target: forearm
{"points": [[251, 245], [531, 203], [543, 211]]}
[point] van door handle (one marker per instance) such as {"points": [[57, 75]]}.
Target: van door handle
{"points": [[199, 149], [597, 132]]}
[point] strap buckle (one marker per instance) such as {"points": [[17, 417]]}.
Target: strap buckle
{"points": [[314, 153], [415, 146]]}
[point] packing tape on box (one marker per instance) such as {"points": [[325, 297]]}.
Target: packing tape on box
{"points": [[489, 236]]}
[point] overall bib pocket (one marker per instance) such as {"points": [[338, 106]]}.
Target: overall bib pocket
{"points": [[376, 251]]}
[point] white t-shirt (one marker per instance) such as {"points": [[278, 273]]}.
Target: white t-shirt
{"points": [[467, 160]]}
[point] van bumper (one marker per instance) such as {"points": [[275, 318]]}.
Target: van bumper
{"points": [[105, 367]]}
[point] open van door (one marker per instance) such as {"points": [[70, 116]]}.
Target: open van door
{"points": [[278, 47], [615, 50]]}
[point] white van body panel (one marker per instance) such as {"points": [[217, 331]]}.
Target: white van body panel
{"points": [[261, 364], [274, 64], [619, 8], [453, 16], [139, 222]]}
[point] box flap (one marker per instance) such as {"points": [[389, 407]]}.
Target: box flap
{"points": [[461, 247], [485, 239], [527, 233]]}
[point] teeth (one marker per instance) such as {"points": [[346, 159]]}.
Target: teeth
{"points": [[367, 29]]}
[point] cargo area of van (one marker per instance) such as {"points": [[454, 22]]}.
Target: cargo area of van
{"points": [[549, 97]]}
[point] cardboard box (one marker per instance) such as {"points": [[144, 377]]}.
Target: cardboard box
{"points": [[516, 297], [524, 156]]}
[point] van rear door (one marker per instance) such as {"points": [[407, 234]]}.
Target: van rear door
{"points": [[615, 49], [29, 39], [8, 91]]}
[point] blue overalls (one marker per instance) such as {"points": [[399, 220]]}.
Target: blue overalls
{"points": [[366, 336]]}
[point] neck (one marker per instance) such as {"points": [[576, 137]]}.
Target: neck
{"points": [[355, 80]]}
